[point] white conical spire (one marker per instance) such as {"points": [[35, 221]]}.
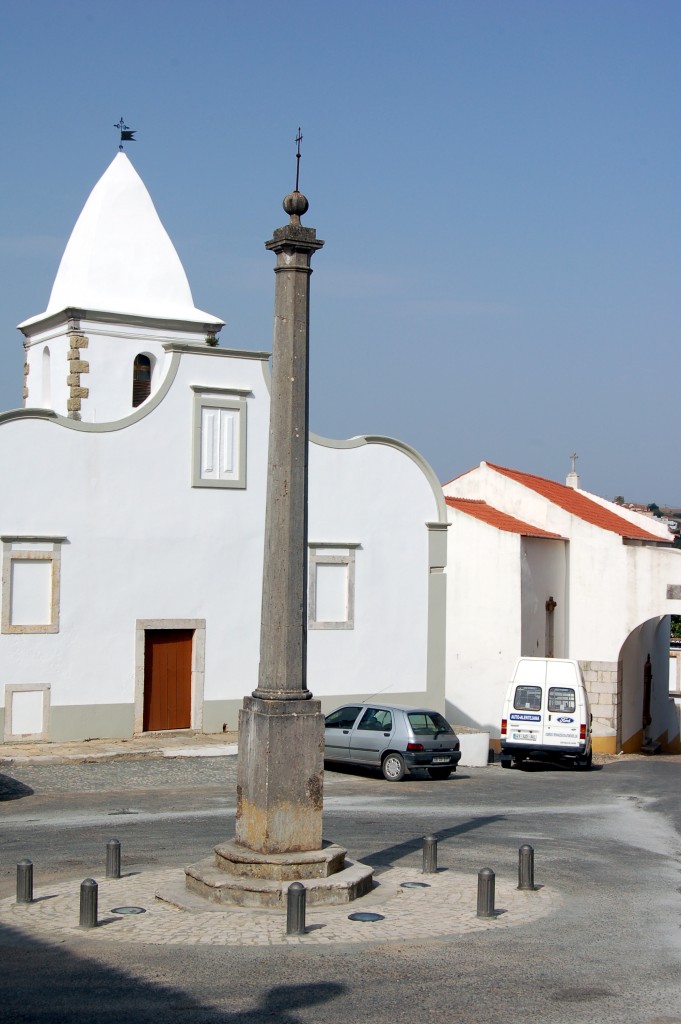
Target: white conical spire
{"points": [[119, 258]]}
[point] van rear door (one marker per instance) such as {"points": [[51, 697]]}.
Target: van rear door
{"points": [[526, 713], [563, 705]]}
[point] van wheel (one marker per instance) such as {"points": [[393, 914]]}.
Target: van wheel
{"points": [[394, 768], [439, 773], [505, 762], [585, 765]]}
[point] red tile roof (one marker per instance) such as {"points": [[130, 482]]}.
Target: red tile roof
{"points": [[579, 505], [493, 517]]}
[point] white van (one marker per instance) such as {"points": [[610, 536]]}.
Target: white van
{"points": [[546, 714]]}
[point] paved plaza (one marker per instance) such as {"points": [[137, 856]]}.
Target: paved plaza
{"points": [[447, 907]]}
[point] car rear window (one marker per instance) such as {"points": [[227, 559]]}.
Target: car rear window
{"points": [[527, 698], [344, 718], [561, 698], [428, 723]]}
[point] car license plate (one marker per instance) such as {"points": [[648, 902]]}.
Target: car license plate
{"points": [[524, 736], [440, 760]]}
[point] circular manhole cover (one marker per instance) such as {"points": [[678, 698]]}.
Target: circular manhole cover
{"points": [[365, 915], [128, 910]]}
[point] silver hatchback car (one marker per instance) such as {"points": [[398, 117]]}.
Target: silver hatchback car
{"points": [[392, 737]]}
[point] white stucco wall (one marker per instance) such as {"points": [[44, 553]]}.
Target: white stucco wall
{"points": [[483, 620], [375, 496], [143, 544]]}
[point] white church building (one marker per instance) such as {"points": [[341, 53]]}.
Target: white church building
{"points": [[132, 532]]}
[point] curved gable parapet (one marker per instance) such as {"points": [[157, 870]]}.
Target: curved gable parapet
{"points": [[362, 439], [101, 428], [400, 446], [176, 351]]}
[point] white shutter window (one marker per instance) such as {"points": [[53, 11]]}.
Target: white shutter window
{"points": [[219, 442]]}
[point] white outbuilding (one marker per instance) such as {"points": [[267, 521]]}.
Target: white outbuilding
{"points": [[538, 568], [132, 531]]}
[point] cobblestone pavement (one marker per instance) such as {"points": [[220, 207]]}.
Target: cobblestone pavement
{"points": [[129, 774], [446, 907]]}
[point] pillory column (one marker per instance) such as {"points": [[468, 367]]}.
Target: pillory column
{"points": [[281, 729]]}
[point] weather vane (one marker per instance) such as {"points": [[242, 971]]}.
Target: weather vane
{"points": [[299, 139], [127, 134]]}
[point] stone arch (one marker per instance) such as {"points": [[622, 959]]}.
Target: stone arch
{"points": [[642, 722]]}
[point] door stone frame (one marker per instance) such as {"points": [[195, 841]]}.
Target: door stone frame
{"points": [[197, 670]]}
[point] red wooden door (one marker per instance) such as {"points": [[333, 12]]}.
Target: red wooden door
{"points": [[167, 679]]}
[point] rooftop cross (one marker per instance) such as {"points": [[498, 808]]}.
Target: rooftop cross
{"points": [[127, 134], [574, 458], [299, 139]]}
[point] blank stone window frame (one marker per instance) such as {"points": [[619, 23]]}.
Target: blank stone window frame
{"points": [[328, 556], [27, 711], [231, 401], [18, 550]]}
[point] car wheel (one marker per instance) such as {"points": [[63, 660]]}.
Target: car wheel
{"points": [[439, 773], [393, 767]]}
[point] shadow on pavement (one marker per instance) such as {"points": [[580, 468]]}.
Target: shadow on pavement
{"points": [[389, 855], [12, 789], [56, 985]]}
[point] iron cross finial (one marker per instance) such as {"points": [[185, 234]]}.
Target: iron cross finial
{"points": [[127, 134], [299, 139]]}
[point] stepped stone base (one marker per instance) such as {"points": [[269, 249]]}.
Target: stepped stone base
{"points": [[240, 877]]}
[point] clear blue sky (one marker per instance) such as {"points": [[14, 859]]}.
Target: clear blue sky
{"points": [[497, 182]]}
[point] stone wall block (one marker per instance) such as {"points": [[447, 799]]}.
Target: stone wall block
{"points": [[73, 380], [604, 686], [79, 393], [78, 341], [73, 404], [79, 366]]}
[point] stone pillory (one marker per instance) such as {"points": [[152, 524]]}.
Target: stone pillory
{"points": [[281, 728]]}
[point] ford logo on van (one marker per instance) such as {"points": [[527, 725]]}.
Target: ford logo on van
{"points": [[565, 721]]}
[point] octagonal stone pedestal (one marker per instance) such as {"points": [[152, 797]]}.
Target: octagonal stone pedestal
{"points": [[241, 877]]}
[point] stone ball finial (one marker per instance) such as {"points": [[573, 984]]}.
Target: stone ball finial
{"points": [[296, 204]]}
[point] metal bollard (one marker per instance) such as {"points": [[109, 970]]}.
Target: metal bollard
{"points": [[526, 867], [113, 859], [88, 903], [485, 892], [25, 881], [429, 855], [296, 896]]}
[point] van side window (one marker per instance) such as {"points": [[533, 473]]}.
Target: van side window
{"points": [[562, 698], [527, 698]]}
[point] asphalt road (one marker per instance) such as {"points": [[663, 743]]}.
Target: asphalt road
{"points": [[608, 840]]}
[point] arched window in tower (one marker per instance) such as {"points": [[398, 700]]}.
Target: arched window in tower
{"points": [[141, 379], [46, 400]]}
